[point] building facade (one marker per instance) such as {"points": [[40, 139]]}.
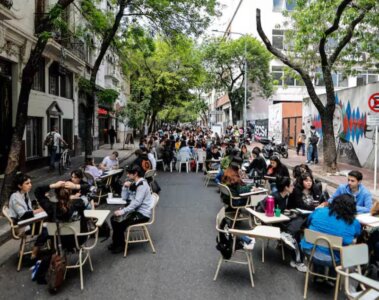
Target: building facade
{"points": [[56, 98]]}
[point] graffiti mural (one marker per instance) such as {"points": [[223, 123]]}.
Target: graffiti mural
{"points": [[261, 129], [275, 121], [353, 137]]}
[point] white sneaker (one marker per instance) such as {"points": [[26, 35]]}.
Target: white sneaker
{"points": [[249, 246], [288, 240], [301, 267]]}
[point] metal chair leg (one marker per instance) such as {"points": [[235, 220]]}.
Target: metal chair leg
{"points": [[218, 267], [149, 238], [126, 242], [21, 253], [250, 271]]}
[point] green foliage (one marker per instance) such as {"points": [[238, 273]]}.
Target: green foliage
{"points": [[84, 85], [311, 19], [107, 96], [224, 61]]}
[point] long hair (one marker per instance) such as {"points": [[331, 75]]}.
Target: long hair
{"points": [[64, 201], [231, 176], [300, 180], [343, 207]]}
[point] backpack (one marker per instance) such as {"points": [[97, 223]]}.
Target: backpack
{"points": [[146, 165], [224, 240], [314, 138], [49, 140]]}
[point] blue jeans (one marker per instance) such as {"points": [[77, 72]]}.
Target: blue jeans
{"points": [[219, 176], [310, 152], [53, 154]]}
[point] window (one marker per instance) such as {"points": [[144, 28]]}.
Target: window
{"points": [[60, 81], [277, 75], [366, 77], [33, 137], [54, 79], [278, 38], [66, 85], [278, 5], [281, 79], [339, 80], [39, 78]]}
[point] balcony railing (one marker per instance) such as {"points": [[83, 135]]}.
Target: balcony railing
{"points": [[63, 36], [7, 3]]}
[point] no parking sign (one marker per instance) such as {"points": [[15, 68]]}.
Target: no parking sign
{"points": [[373, 102]]}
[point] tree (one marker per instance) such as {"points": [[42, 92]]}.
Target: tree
{"points": [[45, 28], [166, 74], [168, 17], [225, 59], [328, 36]]}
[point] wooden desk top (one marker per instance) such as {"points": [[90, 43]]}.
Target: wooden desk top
{"points": [[268, 220], [100, 215]]}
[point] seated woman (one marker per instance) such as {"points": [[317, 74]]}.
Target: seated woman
{"points": [[138, 210], [276, 168], [244, 153], [20, 208], [79, 188], [336, 219], [235, 184], [184, 149], [258, 167], [224, 164], [67, 209], [92, 169], [306, 194]]}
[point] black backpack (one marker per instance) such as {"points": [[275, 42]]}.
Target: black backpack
{"points": [[49, 140], [225, 240], [314, 138]]}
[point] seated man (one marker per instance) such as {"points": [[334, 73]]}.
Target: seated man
{"points": [[110, 162], [137, 211], [354, 187]]}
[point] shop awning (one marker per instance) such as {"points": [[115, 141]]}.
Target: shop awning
{"points": [[102, 111]]}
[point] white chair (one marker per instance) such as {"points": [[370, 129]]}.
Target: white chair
{"points": [[233, 258], [139, 233], [83, 250], [200, 158], [209, 174], [158, 160], [330, 242], [352, 257], [18, 233], [183, 159]]}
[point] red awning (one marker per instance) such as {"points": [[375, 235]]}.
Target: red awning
{"points": [[102, 111]]}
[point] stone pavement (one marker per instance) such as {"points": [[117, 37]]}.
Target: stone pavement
{"points": [[333, 181], [43, 176]]}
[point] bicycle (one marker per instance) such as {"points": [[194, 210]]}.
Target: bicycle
{"points": [[64, 161]]}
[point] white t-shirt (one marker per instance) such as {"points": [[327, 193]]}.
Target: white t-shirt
{"points": [[109, 163], [57, 138]]}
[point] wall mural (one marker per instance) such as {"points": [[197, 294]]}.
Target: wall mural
{"points": [[354, 139], [275, 122], [261, 129]]}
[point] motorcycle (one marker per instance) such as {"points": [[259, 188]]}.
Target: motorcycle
{"points": [[270, 148]]}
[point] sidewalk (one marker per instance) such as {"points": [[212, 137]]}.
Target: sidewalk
{"points": [[43, 176], [332, 180]]}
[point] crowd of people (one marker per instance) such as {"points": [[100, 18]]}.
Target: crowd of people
{"points": [[330, 214]]}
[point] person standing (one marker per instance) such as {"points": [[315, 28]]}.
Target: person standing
{"points": [[312, 150], [112, 136], [52, 140], [301, 142]]}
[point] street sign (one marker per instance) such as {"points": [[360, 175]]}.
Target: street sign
{"points": [[372, 120], [373, 102]]}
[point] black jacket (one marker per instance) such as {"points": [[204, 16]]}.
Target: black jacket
{"points": [[299, 200]]}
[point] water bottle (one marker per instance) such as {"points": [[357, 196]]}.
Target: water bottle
{"points": [[270, 206]]}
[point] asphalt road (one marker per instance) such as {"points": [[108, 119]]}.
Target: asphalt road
{"points": [[184, 265]]}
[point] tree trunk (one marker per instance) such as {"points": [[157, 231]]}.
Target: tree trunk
{"points": [[328, 140], [152, 120], [28, 73], [109, 36]]}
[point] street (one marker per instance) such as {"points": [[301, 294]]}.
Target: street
{"points": [[183, 267]]}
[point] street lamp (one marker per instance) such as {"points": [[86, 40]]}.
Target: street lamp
{"points": [[245, 98]]}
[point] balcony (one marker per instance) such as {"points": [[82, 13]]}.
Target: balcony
{"points": [[5, 13], [64, 37]]}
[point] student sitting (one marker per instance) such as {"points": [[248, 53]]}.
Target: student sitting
{"points": [[92, 169], [276, 168], [110, 162], [20, 208], [355, 188], [137, 211]]}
